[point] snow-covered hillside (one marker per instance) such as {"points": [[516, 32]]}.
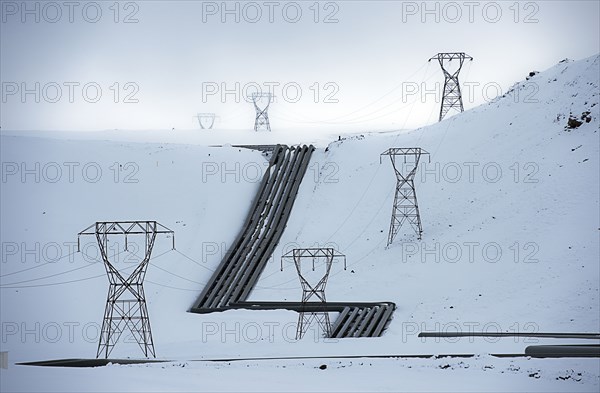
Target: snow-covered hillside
{"points": [[511, 219]]}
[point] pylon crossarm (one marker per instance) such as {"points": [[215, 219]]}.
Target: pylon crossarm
{"points": [[256, 95], [329, 253], [114, 228], [125, 228], [416, 152], [451, 56], [404, 151]]}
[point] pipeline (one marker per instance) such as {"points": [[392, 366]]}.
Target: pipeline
{"points": [[237, 274]]}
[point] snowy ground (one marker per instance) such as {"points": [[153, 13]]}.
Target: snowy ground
{"points": [[510, 209]]}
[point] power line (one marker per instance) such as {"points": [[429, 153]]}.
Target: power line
{"points": [[178, 276], [15, 284], [50, 276], [383, 96], [364, 118], [193, 260], [52, 284], [170, 287], [40, 265]]}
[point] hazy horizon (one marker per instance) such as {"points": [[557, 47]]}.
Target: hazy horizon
{"points": [[355, 64]]}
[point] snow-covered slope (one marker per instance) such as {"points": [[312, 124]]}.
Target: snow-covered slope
{"points": [[509, 204], [510, 211]]}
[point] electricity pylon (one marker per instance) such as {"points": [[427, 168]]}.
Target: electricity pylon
{"points": [[262, 116], [451, 98], [405, 206], [126, 301], [206, 120], [313, 311]]}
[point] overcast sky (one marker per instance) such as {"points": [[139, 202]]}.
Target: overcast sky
{"points": [[156, 64]]}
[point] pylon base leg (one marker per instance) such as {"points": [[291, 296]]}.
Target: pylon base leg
{"points": [[305, 320]]}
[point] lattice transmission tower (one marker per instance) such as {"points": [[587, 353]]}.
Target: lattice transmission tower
{"points": [[261, 122], [451, 97], [313, 287], [206, 120], [126, 301], [406, 207]]}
